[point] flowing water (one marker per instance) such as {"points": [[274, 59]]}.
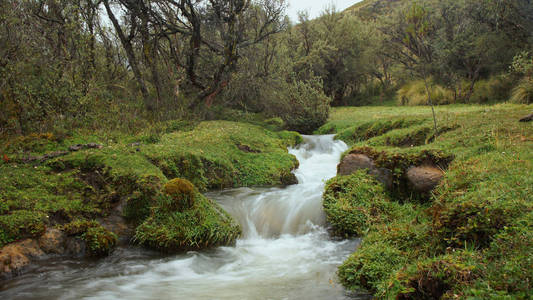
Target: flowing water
{"points": [[285, 251]]}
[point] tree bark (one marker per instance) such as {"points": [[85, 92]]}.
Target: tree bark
{"points": [[126, 43]]}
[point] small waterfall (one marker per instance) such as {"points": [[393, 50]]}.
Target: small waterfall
{"points": [[285, 251], [296, 209]]}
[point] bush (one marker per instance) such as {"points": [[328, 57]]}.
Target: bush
{"points": [[303, 106], [352, 203]]}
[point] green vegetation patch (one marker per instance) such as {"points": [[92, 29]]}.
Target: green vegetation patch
{"points": [[99, 241], [173, 227], [352, 203], [368, 130], [472, 237], [221, 154]]}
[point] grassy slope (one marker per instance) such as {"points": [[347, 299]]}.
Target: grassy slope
{"points": [[89, 183], [472, 237]]}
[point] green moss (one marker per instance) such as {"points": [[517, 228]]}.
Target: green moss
{"points": [[99, 241], [209, 156], [21, 224], [483, 204], [352, 203], [440, 277], [508, 264], [368, 130], [369, 266], [201, 226], [182, 192]]}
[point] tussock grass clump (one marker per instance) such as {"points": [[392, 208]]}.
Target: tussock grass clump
{"points": [[414, 93], [523, 91], [204, 224], [352, 203]]}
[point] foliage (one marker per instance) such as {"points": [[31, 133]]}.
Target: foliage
{"points": [[301, 105], [523, 92]]}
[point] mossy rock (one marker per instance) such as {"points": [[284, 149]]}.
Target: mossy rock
{"points": [[182, 192], [202, 225], [352, 203], [98, 240]]}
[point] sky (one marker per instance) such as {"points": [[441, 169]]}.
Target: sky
{"points": [[315, 7]]}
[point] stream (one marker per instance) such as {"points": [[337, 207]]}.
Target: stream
{"points": [[285, 251]]}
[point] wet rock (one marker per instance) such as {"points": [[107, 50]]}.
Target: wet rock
{"points": [[424, 178], [75, 246], [527, 118], [94, 146], [75, 147], [353, 162], [53, 241], [289, 179], [384, 176], [15, 256]]}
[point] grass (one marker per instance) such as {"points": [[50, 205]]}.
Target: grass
{"points": [[129, 172], [474, 225], [173, 227]]}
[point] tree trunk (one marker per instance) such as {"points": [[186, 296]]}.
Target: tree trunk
{"points": [[126, 43]]}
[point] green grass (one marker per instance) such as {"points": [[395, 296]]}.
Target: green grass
{"points": [[204, 224], [89, 183], [473, 226]]}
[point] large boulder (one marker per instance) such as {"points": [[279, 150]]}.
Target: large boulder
{"points": [[352, 163], [424, 178]]}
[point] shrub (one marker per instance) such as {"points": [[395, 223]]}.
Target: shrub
{"points": [[303, 106], [352, 203]]}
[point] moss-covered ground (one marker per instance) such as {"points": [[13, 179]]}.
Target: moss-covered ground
{"points": [[472, 236], [128, 172]]}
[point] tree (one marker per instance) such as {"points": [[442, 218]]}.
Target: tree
{"points": [[411, 35]]}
